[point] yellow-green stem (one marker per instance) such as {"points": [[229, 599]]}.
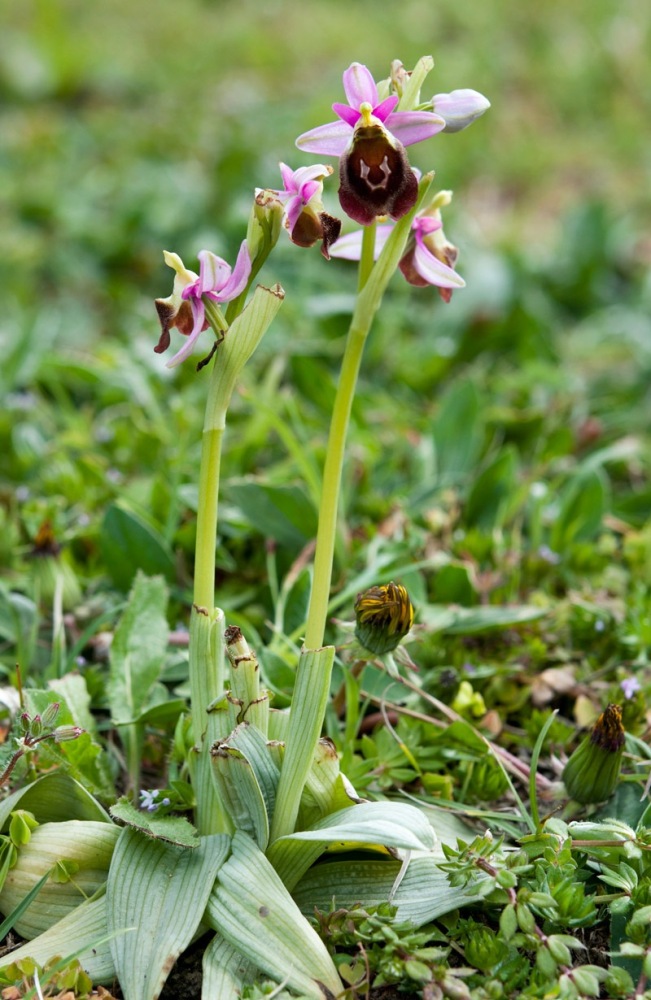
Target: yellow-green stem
{"points": [[204, 567], [332, 472]]}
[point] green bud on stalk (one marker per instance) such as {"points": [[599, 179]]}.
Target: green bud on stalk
{"points": [[592, 771]]}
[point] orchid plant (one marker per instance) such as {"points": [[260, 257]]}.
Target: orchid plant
{"points": [[269, 796]]}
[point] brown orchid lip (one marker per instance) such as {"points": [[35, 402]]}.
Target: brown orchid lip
{"points": [[375, 176]]}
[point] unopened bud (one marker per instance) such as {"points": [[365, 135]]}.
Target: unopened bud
{"points": [[592, 771], [63, 734], [384, 616]]}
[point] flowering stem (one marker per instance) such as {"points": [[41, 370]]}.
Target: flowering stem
{"points": [[312, 684], [373, 280], [368, 254], [207, 656]]}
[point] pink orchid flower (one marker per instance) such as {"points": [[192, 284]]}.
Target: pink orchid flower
{"points": [[185, 308], [428, 258], [360, 88], [305, 219]]}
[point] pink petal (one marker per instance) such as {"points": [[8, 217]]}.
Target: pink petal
{"points": [[238, 279], [347, 114], [293, 210], [460, 108], [309, 189], [385, 107], [331, 139], [349, 247], [213, 272], [198, 312], [359, 86], [433, 271], [425, 225], [287, 175], [314, 173], [414, 126]]}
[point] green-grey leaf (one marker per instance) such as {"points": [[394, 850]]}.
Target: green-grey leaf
{"points": [[160, 891], [423, 894], [225, 971], [172, 829], [83, 933], [247, 777], [387, 824], [252, 910]]}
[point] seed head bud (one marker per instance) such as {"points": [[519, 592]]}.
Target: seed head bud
{"points": [[592, 771], [383, 617]]}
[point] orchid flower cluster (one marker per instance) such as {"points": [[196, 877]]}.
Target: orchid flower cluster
{"points": [[376, 182], [376, 185]]}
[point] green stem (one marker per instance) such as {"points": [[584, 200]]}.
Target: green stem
{"points": [[367, 259], [332, 472], [204, 566]]}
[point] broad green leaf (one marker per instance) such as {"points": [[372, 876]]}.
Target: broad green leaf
{"points": [[53, 798], [82, 933], [583, 506], [72, 688], [17, 616], [130, 545], [225, 971], [283, 513], [160, 891], [138, 650], [386, 824], [423, 894], [84, 758], [491, 492], [453, 584], [253, 911], [172, 829], [87, 845], [458, 433]]}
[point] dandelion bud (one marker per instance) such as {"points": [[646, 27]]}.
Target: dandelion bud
{"points": [[592, 771], [384, 616]]}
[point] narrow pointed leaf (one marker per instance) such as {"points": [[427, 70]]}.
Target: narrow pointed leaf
{"points": [[161, 891], [225, 971], [252, 909]]}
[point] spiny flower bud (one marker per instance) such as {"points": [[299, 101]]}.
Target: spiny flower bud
{"points": [[592, 771], [383, 617]]}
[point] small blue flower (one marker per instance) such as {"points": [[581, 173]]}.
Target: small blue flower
{"points": [[630, 686], [148, 799]]}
